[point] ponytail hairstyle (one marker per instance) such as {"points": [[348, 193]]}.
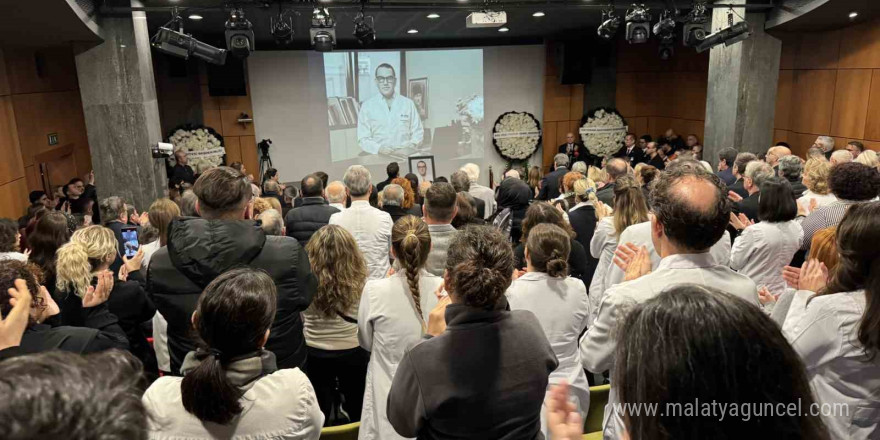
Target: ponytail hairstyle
{"points": [[859, 268], [231, 319], [479, 266], [548, 247], [630, 206], [585, 190], [412, 243], [87, 250], [162, 211]]}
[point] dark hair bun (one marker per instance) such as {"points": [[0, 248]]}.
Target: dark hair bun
{"points": [[557, 267]]}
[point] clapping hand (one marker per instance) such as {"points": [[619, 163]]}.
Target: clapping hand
{"points": [[813, 277], [791, 275], [734, 197], [437, 317], [765, 296], [740, 222], [635, 261], [96, 296], [13, 325], [563, 420]]}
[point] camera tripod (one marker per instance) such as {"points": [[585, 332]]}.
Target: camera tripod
{"points": [[265, 160]]}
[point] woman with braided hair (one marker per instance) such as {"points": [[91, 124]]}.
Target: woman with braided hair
{"points": [[392, 317], [559, 302]]}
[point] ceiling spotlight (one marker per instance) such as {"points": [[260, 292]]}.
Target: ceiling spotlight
{"points": [[281, 27], [538, 14], [667, 48], [239, 34], [638, 24], [666, 26], [412, 31], [732, 34], [323, 30], [178, 44], [853, 15], [433, 15], [503, 29], [364, 31], [195, 17], [610, 23], [694, 29]]}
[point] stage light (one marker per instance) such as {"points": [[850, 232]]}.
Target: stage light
{"points": [[195, 17], [178, 44], [433, 15], [667, 48], [239, 34], [694, 29], [610, 23], [503, 29], [853, 15], [732, 34], [638, 24], [323, 30], [538, 14], [412, 31], [665, 27], [363, 29], [281, 28]]}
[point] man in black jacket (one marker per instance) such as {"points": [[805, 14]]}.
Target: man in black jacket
{"points": [[615, 168], [181, 172], [200, 249], [393, 171], [575, 150], [461, 183], [755, 174], [314, 213], [630, 151], [550, 182]]}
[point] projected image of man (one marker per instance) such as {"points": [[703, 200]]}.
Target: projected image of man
{"points": [[388, 122]]}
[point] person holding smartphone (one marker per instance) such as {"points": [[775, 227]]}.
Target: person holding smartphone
{"points": [[114, 212]]}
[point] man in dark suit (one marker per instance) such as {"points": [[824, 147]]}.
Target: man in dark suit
{"points": [[392, 198], [615, 168], [630, 151], [461, 183], [550, 182], [738, 168], [393, 171], [181, 172], [574, 149], [754, 176], [302, 222]]}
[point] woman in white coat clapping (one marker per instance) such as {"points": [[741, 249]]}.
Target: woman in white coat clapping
{"points": [[392, 318]]}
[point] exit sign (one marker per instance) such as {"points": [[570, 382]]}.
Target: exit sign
{"points": [[53, 138]]}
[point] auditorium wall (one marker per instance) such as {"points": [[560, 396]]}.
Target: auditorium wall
{"points": [[563, 108], [829, 84], [39, 96]]}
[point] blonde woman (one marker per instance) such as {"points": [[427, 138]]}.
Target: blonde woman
{"points": [[869, 158], [630, 208], [331, 329], [80, 265], [392, 317], [583, 218], [815, 178], [598, 176]]}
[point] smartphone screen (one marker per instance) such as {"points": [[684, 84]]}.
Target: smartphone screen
{"points": [[130, 241]]}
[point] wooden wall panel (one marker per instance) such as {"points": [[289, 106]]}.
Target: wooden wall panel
{"points": [[233, 149], [549, 140], [211, 118], [39, 114], [14, 198], [11, 166], [625, 96], [872, 124], [812, 100], [576, 105], [231, 126], [818, 50], [784, 91], [851, 103], [790, 46], [32, 176], [249, 156], [40, 70], [860, 46], [4, 79], [557, 100]]}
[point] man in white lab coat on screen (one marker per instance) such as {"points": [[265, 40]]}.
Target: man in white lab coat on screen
{"points": [[388, 122]]}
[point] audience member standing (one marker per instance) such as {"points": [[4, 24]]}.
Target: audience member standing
{"points": [[114, 213], [513, 201], [791, 168], [487, 195], [336, 195], [496, 391], [680, 199], [764, 248], [839, 157], [550, 182], [9, 241], [558, 301], [314, 213], [615, 168], [200, 249], [630, 151], [393, 171], [439, 211], [834, 324], [574, 149], [816, 173], [392, 199], [181, 173], [545, 213], [739, 167], [534, 180], [755, 175], [412, 202], [461, 182], [232, 386], [393, 316], [50, 233], [161, 213], [81, 198], [726, 159], [331, 327], [654, 157], [583, 219], [371, 227]]}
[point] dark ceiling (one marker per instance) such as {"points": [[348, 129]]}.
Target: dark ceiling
{"points": [[832, 14]]}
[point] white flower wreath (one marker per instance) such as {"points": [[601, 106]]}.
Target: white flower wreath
{"points": [[203, 149], [603, 133], [516, 135]]}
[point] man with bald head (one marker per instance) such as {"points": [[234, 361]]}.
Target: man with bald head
{"points": [[336, 194], [691, 212], [574, 149], [313, 214], [615, 168], [775, 153]]}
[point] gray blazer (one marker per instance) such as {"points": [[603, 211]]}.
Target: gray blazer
{"points": [[441, 236]]}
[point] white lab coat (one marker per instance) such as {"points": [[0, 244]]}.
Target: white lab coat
{"points": [[824, 332], [599, 343], [640, 235], [387, 326], [379, 126], [602, 246], [563, 308], [371, 229], [821, 200], [763, 249], [485, 194]]}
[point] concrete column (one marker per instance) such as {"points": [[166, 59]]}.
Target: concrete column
{"points": [[741, 97], [121, 112]]}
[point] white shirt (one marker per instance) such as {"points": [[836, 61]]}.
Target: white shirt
{"points": [[640, 235], [562, 307], [149, 249], [388, 326], [824, 332], [599, 343], [379, 126], [339, 206], [763, 249], [485, 194], [160, 325], [371, 229], [602, 246], [821, 200], [330, 333]]}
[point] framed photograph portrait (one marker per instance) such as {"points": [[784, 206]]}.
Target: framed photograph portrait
{"points": [[417, 90], [423, 167]]}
